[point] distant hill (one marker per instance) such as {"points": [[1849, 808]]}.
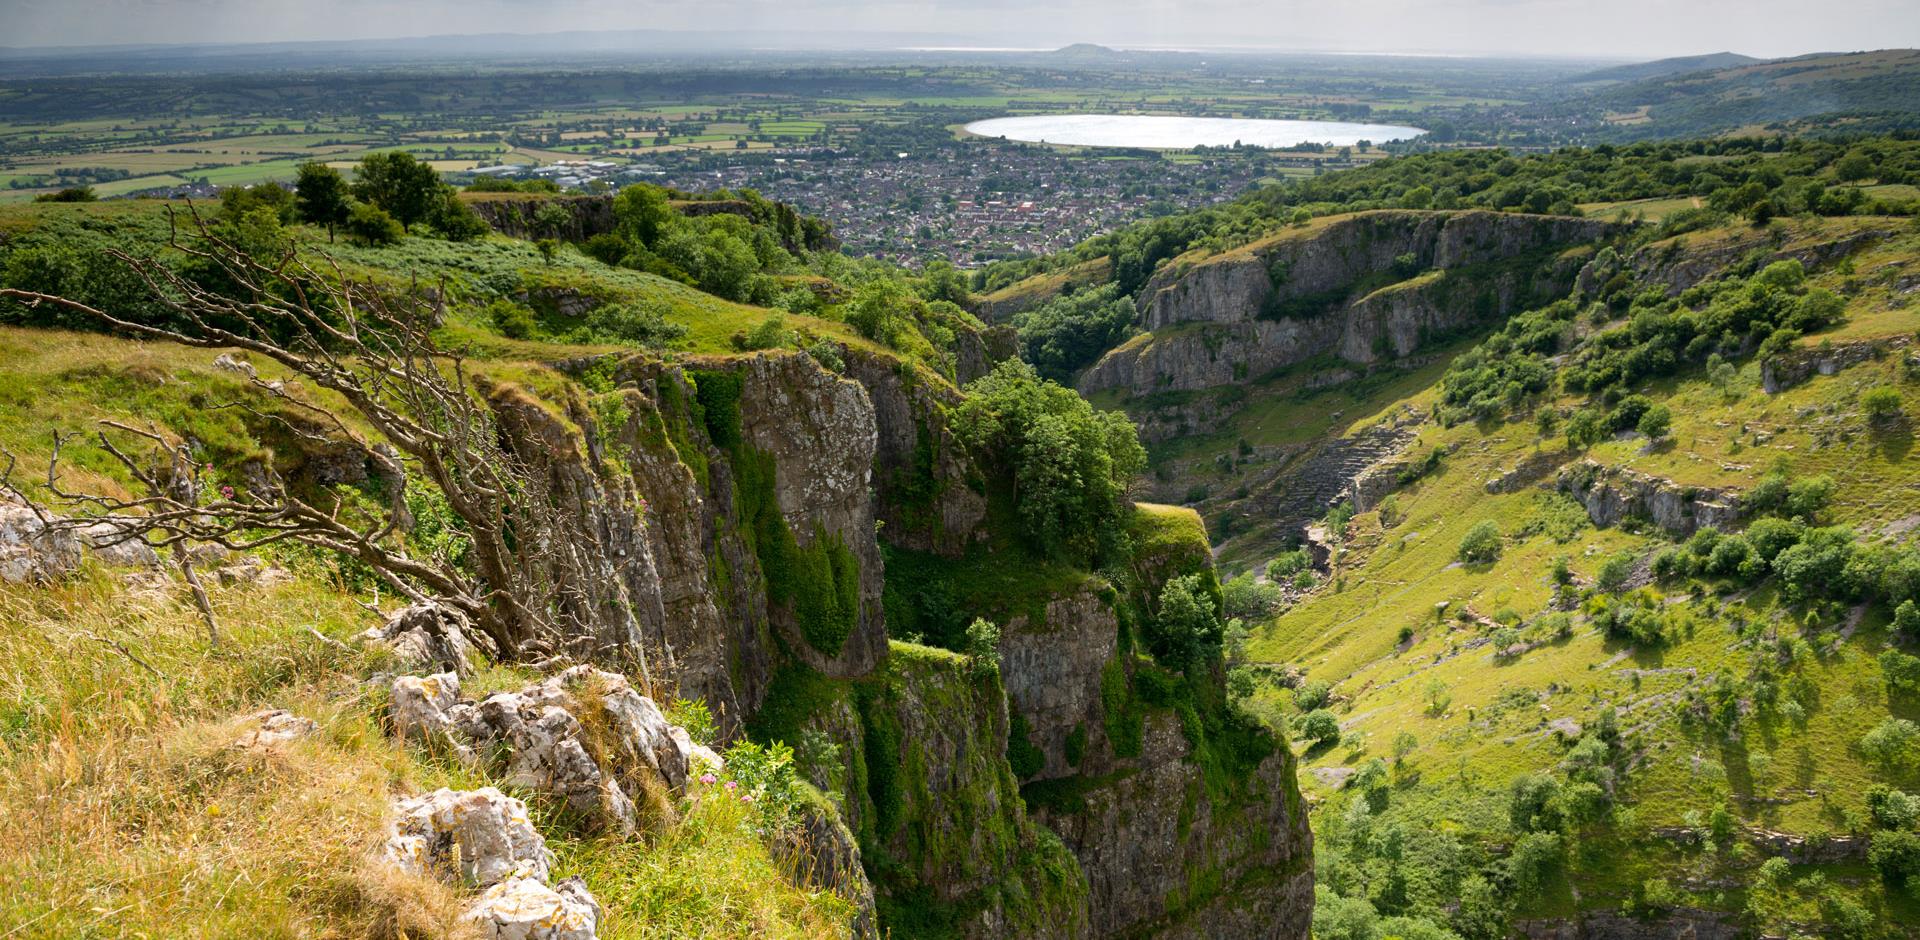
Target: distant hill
{"points": [[1084, 51], [1802, 94], [1681, 65]]}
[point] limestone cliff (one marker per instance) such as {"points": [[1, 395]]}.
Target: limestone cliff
{"points": [[738, 500], [1362, 287]]}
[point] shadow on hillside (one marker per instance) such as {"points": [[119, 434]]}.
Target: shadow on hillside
{"points": [[1894, 441]]}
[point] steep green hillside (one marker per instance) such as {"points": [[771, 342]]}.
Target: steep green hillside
{"points": [[738, 508], [1542, 698]]}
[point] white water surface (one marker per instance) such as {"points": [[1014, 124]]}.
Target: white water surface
{"points": [[1180, 133]]}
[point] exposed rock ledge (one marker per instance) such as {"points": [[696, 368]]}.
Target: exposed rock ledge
{"points": [[1613, 494]]}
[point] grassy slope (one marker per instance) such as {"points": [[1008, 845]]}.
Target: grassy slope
{"points": [[1457, 779], [132, 815]]}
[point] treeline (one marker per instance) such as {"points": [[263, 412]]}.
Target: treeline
{"points": [[1756, 177]]}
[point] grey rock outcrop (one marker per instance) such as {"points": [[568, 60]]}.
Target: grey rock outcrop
{"points": [[479, 837], [539, 740], [922, 474], [1052, 672], [427, 635], [269, 729], [1612, 494], [1301, 294], [1790, 368], [34, 548], [526, 909]]}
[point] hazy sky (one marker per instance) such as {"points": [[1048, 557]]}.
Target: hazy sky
{"points": [[1612, 28]]}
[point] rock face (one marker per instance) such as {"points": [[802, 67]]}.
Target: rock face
{"points": [[1314, 292], [1052, 670], [708, 484], [1612, 494], [925, 480], [1164, 854], [515, 214], [427, 636], [32, 549], [482, 837], [1165, 857], [538, 739], [1611, 925], [1790, 368], [526, 909]]}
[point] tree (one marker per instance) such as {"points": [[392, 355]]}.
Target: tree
{"points": [[1321, 727], [983, 648], [320, 196], [1854, 167], [1482, 543], [407, 188], [455, 220], [535, 577], [1585, 429], [642, 214], [1069, 464], [70, 194], [369, 224], [1186, 630], [1655, 422]]}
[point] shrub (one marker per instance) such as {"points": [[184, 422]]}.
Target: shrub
{"points": [[1287, 564], [1882, 403], [1244, 597], [1901, 671], [1655, 422], [371, 225], [512, 320], [1481, 544], [1186, 632], [982, 647], [1892, 809], [1896, 855], [1614, 573], [1894, 745], [1312, 696], [1321, 727]]}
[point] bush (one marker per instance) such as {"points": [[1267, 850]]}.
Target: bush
{"points": [[1614, 573], [1481, 544], [1312, 696], [1895, 854], [1287, 565], [1882, 403], [1656, 422], [512, 320], [1321, 727], [1186, 632], [983, 648], [371, 225], [1246, 598], [1894, 745]]}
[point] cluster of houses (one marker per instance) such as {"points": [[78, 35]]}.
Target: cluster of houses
{"points": [[573, 174], [972, 206]]}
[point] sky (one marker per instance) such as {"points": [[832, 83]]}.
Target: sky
{"points": [[1641, 29]]}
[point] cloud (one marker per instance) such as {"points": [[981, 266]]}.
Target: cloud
{"points": [[1640, 28]]}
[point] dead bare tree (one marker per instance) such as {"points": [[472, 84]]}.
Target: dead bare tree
{"points": [[536, 579]]}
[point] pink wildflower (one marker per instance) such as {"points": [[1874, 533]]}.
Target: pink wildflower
{"points": [[731, 784], [706, 778]]}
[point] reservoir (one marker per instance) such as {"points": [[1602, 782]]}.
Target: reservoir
{"points": [[1180, 133]]}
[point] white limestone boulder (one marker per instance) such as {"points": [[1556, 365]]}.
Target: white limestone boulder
{"points": [[481, 837], [269, 729], [427, 635], [525, 909]]}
